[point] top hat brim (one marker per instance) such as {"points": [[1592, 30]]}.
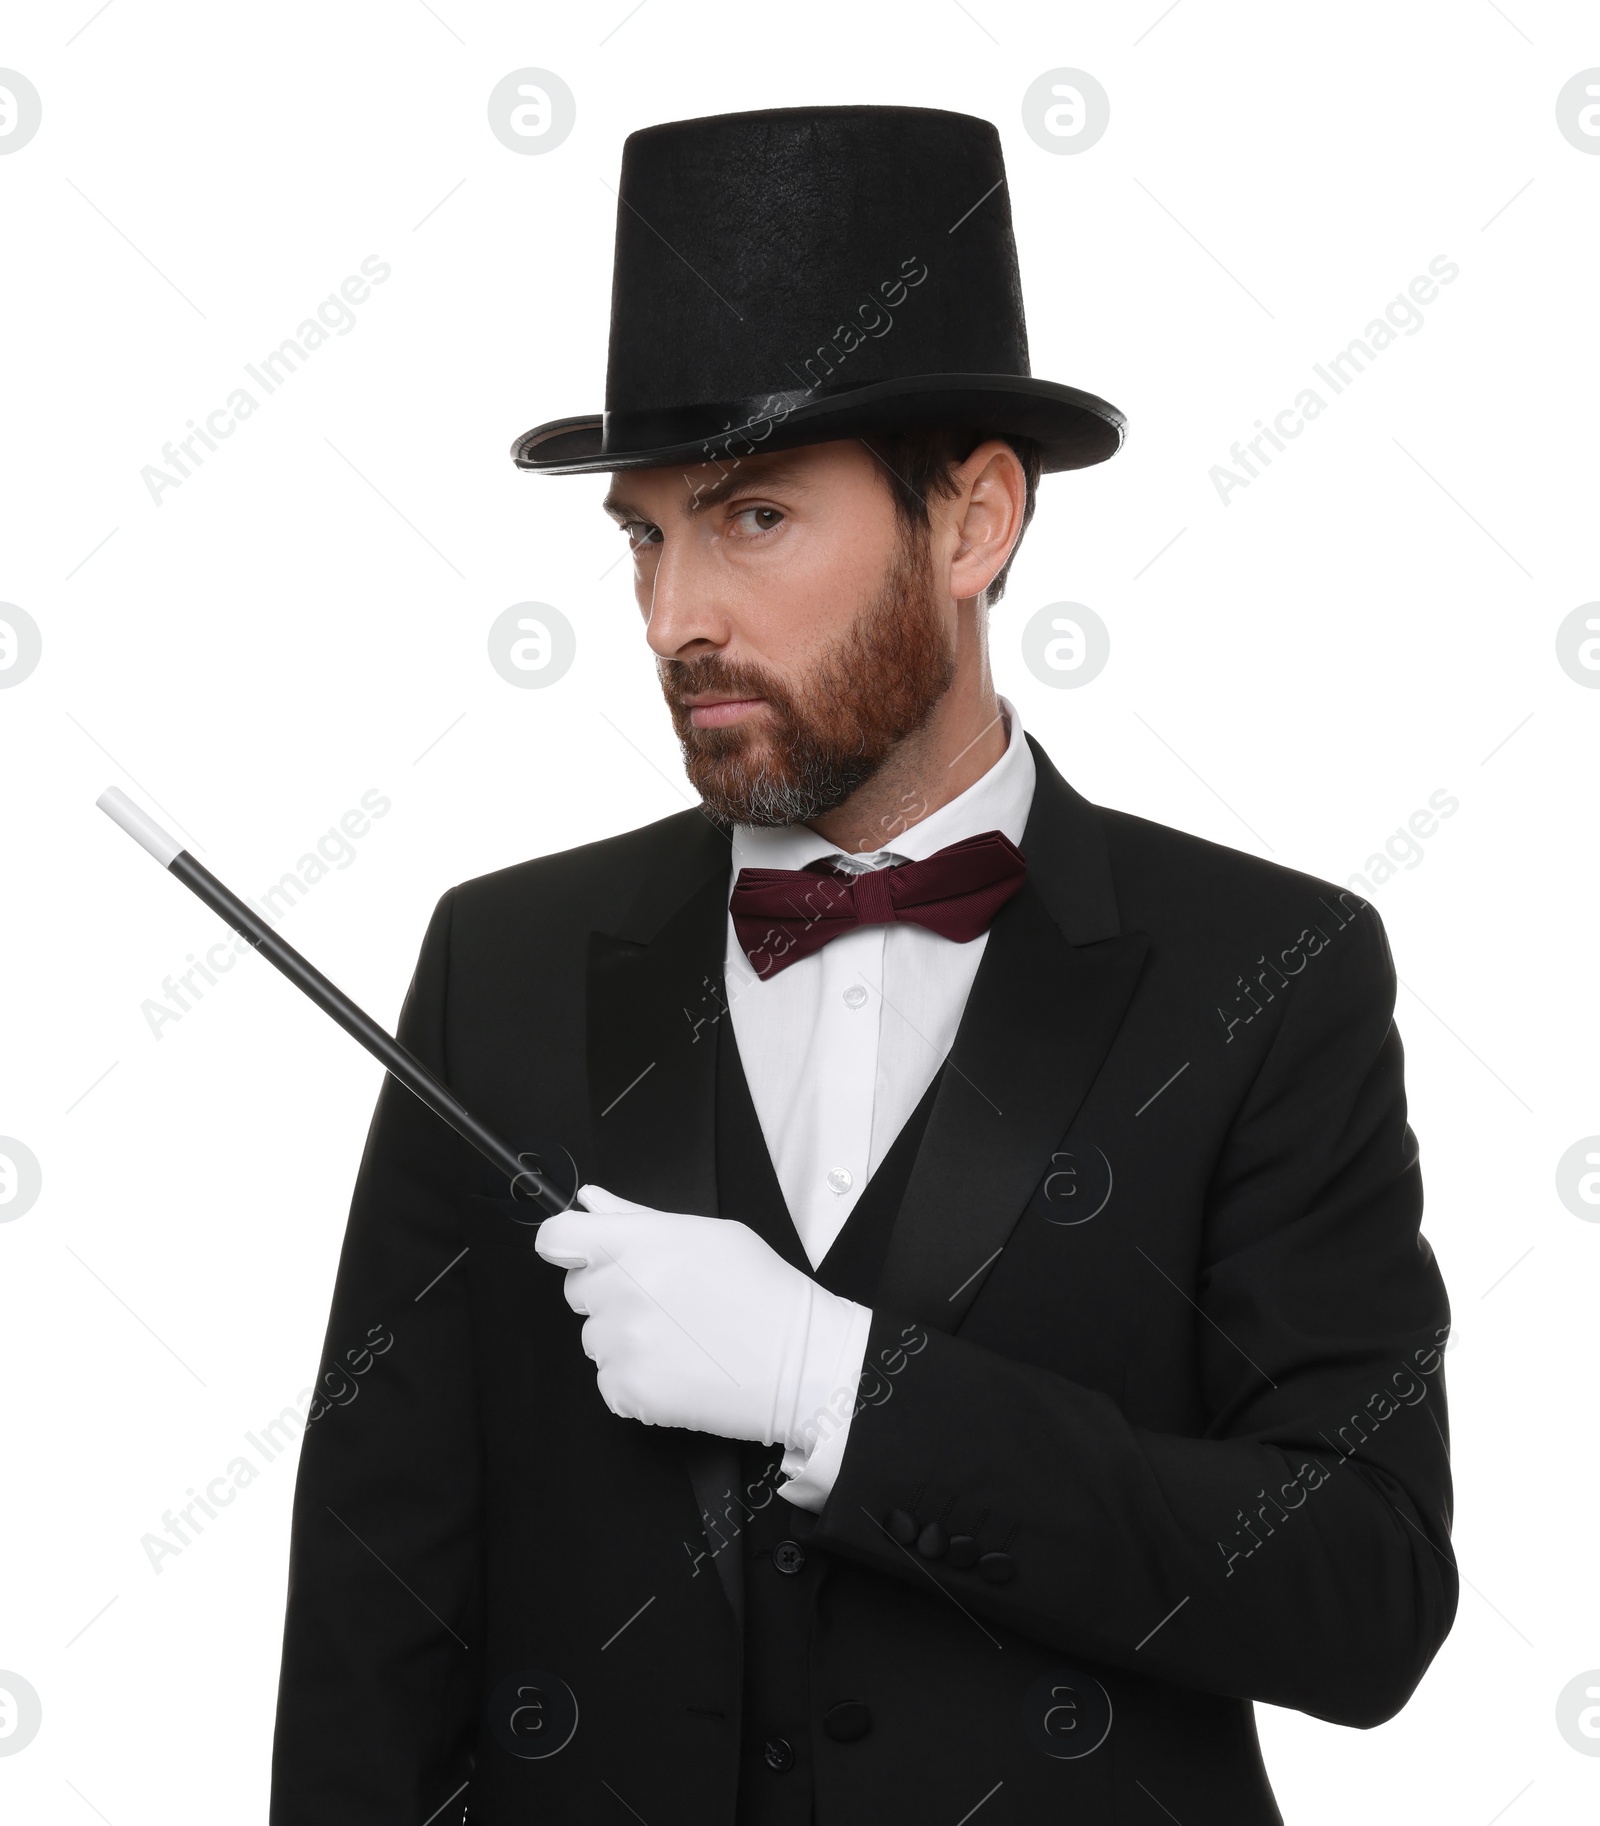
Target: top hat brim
{"points": [[1073, 429]]}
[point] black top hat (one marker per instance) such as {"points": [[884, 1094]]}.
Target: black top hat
{"points": [[800, 274]]}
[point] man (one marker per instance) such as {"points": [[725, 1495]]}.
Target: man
{"points": [[1007, 1348]]}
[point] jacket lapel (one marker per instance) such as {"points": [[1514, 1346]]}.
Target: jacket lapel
{"points": [[1054, 984], [655, 991], [655, 997]]}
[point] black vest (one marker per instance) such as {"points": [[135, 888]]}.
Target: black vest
{"points": [[783, 1574]]}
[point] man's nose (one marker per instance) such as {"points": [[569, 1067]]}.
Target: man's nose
{"points": [[682, 615]]}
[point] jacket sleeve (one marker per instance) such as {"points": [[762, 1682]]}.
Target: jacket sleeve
{"points": [[1297, 1550], [383, 1635]]}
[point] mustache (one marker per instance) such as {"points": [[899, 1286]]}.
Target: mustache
{"points": [[685, 678]]}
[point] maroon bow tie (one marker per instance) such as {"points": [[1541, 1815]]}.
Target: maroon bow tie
{"points": [[783, 915]]}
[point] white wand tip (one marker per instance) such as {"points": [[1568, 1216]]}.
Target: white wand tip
{"points": [[142, 828]]}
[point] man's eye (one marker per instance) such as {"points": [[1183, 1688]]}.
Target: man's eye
{"points": [[640, 532], [758, 519]]}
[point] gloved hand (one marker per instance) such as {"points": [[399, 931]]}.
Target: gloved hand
{"points": [[696, 1322]]}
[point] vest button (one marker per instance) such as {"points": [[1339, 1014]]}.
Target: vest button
{"points": [[932, 1542], [997, 1568], [788, 1556], [902, 1526], [847, 1721], [779, 1753], [963, 1551]]}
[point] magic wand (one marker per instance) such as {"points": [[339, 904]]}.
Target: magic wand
{"points": [[527, 1183]]}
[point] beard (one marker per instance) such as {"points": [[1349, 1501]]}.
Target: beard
{"points": [[824, 736]]}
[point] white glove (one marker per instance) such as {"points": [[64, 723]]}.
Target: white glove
{"points": [[696, 1322]]}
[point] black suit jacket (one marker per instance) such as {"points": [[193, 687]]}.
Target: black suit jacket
{"points": [[1156, 1329]]}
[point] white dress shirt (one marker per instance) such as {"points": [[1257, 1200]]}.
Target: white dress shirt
{"points": [[839, 1047]]}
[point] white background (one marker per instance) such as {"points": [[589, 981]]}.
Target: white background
{"points": [[1371, 620]]}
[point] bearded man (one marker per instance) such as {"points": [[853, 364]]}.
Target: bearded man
{"points": [[1007, 1345]]}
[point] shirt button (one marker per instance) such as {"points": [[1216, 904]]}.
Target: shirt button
{"points": [[788, 1556], [778, 1753], [840, 1180], [854, 996]]}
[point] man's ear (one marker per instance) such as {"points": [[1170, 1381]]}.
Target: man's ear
{"points": [[987, 510]]}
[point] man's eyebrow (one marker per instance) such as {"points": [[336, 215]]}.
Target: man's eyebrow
{"points": [[711, 494], [620, 509]]}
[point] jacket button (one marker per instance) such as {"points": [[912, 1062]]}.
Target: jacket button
{"points": [[963, 1551], [847, 1721], [932, 1542], [779, 1753], [788, 1556], [997, 1568], [902, 1525]]}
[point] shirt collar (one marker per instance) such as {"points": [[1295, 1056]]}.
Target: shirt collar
{"points": [[998, 800]]}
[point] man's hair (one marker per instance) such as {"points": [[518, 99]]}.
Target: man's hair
{"points": [[920, 465]]}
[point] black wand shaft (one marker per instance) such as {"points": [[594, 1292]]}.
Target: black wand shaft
{"points": [[406, 1066], [527, 1182]]}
